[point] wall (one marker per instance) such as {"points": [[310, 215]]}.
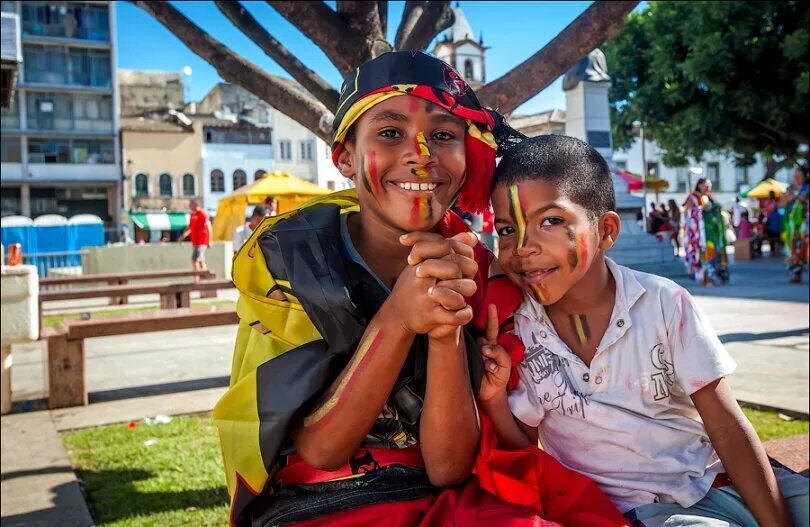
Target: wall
{"points": [[56, 172], [155, 153], [228, 158], [155, 257], [285, 129]]}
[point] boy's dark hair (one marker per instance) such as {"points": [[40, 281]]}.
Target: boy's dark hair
{"points": [[259, 212], [575, 168]]}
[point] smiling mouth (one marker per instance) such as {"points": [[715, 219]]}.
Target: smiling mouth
{"points": [[533, 277], [416, 187]]}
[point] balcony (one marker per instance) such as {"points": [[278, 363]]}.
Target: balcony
{"points": [[10, 56]]}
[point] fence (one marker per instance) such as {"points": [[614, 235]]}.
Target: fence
{"points": [[61, 263]]}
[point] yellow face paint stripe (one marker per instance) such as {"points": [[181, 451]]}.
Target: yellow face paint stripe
{"points": [[538, 291], [520, 220], [580, 330], [421, 144]]}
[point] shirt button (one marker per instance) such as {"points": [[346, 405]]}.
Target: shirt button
{"points": [[599, 380], [620, 323], [586, 377]]}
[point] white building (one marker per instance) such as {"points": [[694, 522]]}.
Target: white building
{"points": [[727, 178], [459, 48], [60, 152]]}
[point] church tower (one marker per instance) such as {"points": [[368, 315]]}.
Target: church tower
{"points": [[459, 48]]}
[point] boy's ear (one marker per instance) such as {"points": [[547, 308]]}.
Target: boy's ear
{"points": [[610, 225], [346, 164]]}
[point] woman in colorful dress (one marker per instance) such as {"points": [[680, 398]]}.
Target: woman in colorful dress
{"points": [[796, 220], [705, 237]]}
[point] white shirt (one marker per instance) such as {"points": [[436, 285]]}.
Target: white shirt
{"points": [[627, 420], [241, 235]]}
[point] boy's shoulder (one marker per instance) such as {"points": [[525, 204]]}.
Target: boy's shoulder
{"points": [[646, 291]]}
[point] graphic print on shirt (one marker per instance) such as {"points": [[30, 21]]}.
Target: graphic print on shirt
{"points": [[666, 372], [561, 395]]}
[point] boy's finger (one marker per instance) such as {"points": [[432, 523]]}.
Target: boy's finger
{"points": [[491, 365], [439, 269], [448, 298], [419, 236], [447, 317], [492, 324], [467, 238], [463, 286], [425, 250], [461, 248], [468, 266]]}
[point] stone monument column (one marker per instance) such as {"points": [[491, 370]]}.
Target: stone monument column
{"points": [[587, 117]]}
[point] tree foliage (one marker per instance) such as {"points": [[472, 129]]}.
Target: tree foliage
{"points": [[354, 32], [713, 76]]}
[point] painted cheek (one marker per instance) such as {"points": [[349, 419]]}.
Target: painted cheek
{"points": [[540, 293], [364, 174], [372, 171], [582, 248]]}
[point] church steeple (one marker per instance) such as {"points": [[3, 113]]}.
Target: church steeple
{"points": [[459, 47]]}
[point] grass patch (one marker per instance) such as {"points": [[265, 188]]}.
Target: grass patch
{"points": [[55, 319], [179, 481], [770, 426]]}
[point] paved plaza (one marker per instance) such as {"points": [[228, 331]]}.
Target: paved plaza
{"points": [[762, 320]]}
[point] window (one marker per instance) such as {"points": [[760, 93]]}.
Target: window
{"points": [[681, 178], [713, 173], [306, 151], [10, 117], [468, 70], [11, 150], [78, 151], [241, 136], [217, 180], [65, 65], [66, 19], [188, 185], [141, 184], [239, 178], [285, 150], [741, 177], [165, 185], [57, 111], [621, 165], [653, 170], [258, 174]]}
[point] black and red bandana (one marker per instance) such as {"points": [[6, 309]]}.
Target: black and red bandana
{"points": [[421, 75]]}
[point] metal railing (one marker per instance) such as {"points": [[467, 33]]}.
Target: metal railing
{"points": [[62, 263]]}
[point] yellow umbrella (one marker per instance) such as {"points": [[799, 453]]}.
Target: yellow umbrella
{"points": [[656, 185], [763, 189], [288, 190]]}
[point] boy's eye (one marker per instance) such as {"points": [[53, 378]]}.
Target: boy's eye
{"points": [[550, 222], [506, 231], [390, 133], [443, 136]]}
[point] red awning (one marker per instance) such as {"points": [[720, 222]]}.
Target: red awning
{"points": [[633, 181]]}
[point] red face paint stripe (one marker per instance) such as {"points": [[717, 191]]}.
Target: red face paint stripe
{"points": [[582, 247], [372, 171], [365, 351]]}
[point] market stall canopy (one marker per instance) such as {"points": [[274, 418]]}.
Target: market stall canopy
{"points": [[288, 190], [633, 181], [763, 189], [160, 221], [657, 184]]}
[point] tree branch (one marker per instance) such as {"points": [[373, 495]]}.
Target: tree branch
{"points": [[326, 28], [363, 19], [411, 13], [233, 68], [382, 10], [434, 18], [311, 81], [600, 22]]}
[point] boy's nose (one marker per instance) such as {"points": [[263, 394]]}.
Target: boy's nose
{"points": [[528, 248]]}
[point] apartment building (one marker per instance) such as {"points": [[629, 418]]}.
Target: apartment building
{"points": [[60, 152]]}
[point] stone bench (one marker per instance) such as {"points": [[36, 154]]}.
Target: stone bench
{"points": [[67, 383]]}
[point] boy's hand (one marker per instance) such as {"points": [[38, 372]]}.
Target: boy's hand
{"points": [[497, 363], [431, 245]]}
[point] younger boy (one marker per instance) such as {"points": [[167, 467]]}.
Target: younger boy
{"points": [[623, 378]]}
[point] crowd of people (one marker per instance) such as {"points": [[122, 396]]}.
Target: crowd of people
{"points": [[390, 370], [702, 229]]}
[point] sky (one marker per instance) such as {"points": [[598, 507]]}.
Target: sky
{"points": [[513, 30]]}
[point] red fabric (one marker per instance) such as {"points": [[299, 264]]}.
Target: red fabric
{"points": [[532, 478], [198, 228], [297, 472], [633, 182], [463, 506], [488, 220]]}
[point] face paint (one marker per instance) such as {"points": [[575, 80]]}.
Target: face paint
{"points": [[539, 293], [517, 213], [573, 253], [372, 171], [581, 328], [582, 247], [364, 174], [364, 352], [421, 145]]}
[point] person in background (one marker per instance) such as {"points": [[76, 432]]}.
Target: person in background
{"points": [[797, 208], [675, 221], [271, 206], [243, 233], [199, 232], [705, 241], [773, 225], [737, 208]]}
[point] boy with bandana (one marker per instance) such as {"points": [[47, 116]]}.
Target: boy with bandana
{"points": [[622, 378], [351, 399]]}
